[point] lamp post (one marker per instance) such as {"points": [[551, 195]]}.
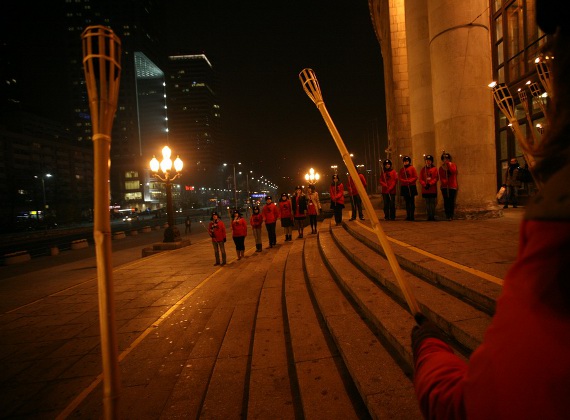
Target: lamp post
{"points": [[235, 182], [43, 177], [312, 177], [171, 234]]}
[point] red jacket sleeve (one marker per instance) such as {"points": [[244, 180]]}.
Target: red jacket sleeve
{"points": [[439, 381]]}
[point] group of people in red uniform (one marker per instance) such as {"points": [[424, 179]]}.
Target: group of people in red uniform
{"points": [[292, 211], [428, 177]]}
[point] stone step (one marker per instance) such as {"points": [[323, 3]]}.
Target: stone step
{"points": [[464, 322], [380, 379]]}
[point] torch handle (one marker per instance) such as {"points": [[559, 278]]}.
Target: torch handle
{"points": [[382, 238]]}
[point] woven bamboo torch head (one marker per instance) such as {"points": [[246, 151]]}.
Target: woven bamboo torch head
{"points": [[102, 67]]}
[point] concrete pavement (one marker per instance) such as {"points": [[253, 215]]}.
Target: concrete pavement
{"points": [[270, 336]]}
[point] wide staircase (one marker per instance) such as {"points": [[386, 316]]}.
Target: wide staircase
{"points": [[315, 328], [330, 337]]}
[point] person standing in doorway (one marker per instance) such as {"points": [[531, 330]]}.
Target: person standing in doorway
{"points": [[408, 177], [512, 183], [299, 206], [428, 181], [448, 184], [270, 214], [388, 183], [313, 207], [356, 200], [217, 231], [256, 220], [337, 198], [286, 214]]}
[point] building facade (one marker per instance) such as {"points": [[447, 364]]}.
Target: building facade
{"points": [[439, 58], [194, 117]]}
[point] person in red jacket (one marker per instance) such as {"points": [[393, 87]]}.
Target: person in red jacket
{"points": [[408, 177], [522, 368], [355, 198], [256, 220], [388, 182], [428, 180], [217, 231], [336, 191], [270, 214], [239, 232], [286, 215], [448, 185]]}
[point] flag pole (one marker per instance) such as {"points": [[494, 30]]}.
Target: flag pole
{"points": [[101, 63], [312, 89]]}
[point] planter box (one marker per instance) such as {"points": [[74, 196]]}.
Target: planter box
{"points": [[119, 235], [17, 257], [79, 244]]}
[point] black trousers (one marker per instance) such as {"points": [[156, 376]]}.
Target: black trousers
{"points": [[271, 233], [449, 195], [389, 206]]}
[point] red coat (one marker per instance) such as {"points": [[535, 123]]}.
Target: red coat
{"points": [[337, 193], [256, 220], [217, 231], [408, 176], [522, 369], [285, 211], [448, 178], [352, 186], [239, 227], [428, 179], [270, 213], [388, 181]]}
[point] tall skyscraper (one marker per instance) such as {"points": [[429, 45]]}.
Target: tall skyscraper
{"points": [[194, 117], [139, 128]]}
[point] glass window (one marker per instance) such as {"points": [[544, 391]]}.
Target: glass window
{"points": [[503, 144], [500, 53], [499, 28]]}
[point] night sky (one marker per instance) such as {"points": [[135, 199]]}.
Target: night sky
{"points": [[258, 49]]}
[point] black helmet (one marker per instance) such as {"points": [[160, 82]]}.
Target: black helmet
{"points": [[298, 187], [407, 158], [446, 156], [284, 197], [255, 208], [387, 162], [429, 157], [268, 197], [236, 211], [214, 213]]}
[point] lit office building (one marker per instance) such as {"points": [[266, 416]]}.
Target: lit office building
{"points": [[195, 117]]}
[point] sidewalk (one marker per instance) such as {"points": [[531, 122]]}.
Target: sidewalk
{"points": [[202, 341]]}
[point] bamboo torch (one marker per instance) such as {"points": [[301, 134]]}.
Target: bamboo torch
{"points": [[506, 104], [312, 89], [543, 71], [102, 66]]}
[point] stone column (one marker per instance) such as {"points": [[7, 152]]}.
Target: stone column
{"points": [[460, 50]]}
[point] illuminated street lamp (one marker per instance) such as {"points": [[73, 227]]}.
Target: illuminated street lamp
{"points": [[171, 234], [312, 177], [334, 168], [44, 196]]}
